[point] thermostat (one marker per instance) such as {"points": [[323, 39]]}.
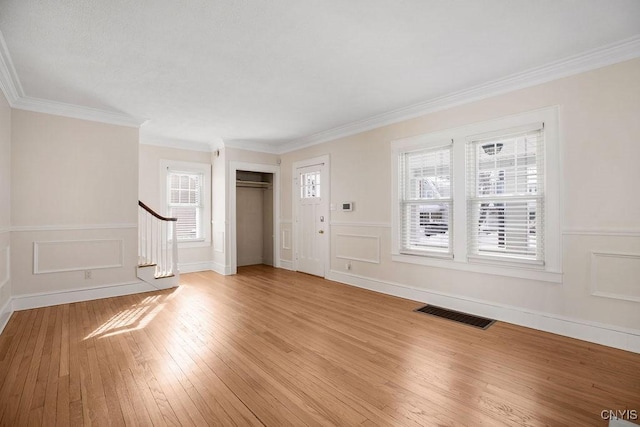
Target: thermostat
{"points": [[346, 206]]}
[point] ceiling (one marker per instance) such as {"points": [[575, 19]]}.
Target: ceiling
{"points": [[272, 73]]}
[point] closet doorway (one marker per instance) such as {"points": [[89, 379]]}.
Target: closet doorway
{"points": [[254, 218], [254, 226]]}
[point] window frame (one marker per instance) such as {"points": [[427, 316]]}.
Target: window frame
{"points": [[473, 198], [551, 269], [204, 170], [431, 146]]}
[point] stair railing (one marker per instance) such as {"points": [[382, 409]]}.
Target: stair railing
{"points": [[157, 244]]}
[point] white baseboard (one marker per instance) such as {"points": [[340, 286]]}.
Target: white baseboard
{"points": [[45, 299], [5, 314], [193, 267], [250, 261], [599, 333], [287, 265], [225, 270]]}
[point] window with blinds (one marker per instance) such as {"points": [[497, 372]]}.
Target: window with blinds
{"points": [[185, 203], [505, 194], [426, 201]]}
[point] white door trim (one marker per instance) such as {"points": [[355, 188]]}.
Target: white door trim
{"points": [[325, 250], [235, 166]]}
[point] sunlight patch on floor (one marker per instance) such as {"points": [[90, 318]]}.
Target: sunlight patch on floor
{"points": [[132, 319]]}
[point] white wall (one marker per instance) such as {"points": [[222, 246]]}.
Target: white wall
{"points": [[150, 193], [74, 192], [5, 209], [599, 113]]}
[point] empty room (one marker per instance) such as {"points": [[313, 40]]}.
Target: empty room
{"points": [[320, 213]]}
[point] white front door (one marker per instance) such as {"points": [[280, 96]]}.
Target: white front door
{"points": [[311, 218]]}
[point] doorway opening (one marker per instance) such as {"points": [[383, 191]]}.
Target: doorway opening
{"points": [[254, 218], [254, 224]]}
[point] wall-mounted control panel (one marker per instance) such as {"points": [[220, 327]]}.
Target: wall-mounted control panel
{"points": [[346, 206]]}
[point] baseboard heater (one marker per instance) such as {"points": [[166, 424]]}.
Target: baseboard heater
{"points": [[456, 316]]}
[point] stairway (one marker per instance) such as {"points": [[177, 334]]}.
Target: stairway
{"points": [[157, 250], [147, 273]]}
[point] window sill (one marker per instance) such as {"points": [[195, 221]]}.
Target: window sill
{"points": [[433, 254], [521, 272], [193, 244], [506, 262]]}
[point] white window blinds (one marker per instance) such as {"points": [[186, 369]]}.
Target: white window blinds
{"points": [[426, 201], [185, 203], [505, 194]]}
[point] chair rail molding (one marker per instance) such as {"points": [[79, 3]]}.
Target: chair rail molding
{"points": [[65, 227], [625, 232]]}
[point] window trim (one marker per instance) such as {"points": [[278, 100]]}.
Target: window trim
{"points": [[203, 169], [401, 202], [474, 199], [551, 270]]}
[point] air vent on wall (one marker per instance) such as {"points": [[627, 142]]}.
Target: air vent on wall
{"points": [[456, 316]]}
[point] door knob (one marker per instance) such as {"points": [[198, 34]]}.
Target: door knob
{"points": [[321, 231]]}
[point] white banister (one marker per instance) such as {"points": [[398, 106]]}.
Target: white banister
{"points": [[174, 247], [156, 244]]}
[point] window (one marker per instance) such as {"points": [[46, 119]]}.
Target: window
{"points": [[496, 184], [426, 203], [186, 197], [505, 197], [185, 203], [310, 185]]}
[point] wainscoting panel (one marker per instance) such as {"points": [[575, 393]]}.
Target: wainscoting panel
{"points": [[73, 255], [286, 239], [218, 241], [615, 275], [358, 247]]}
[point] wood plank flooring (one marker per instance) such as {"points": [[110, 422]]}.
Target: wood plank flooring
{"points": [[277, 348]]}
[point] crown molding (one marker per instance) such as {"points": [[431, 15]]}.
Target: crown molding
{"points": [[216, 144], [589, 60], [75, 111], [586, 61], [179, 144], [260, 146], [9, 81], [14, 93]]}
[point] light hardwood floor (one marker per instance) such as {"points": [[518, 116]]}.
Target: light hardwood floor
{"points": [[273, 347]]}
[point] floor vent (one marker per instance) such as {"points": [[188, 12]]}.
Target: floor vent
{"points": [[456, 316]]}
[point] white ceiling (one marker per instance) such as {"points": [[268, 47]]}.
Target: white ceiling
{"points": [[271, 72]]}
